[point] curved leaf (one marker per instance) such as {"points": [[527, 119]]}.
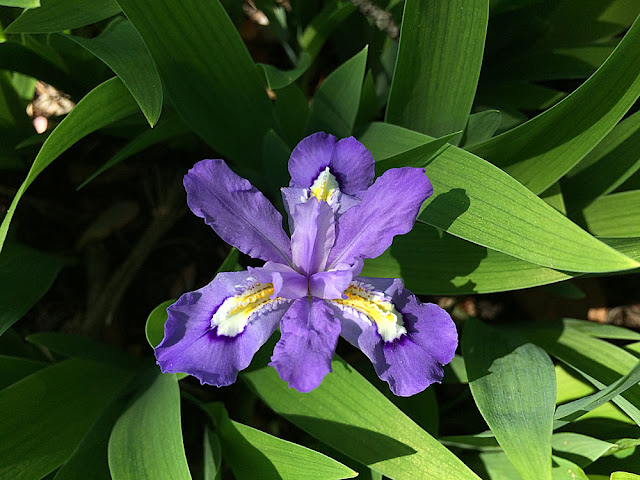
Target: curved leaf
{"points": [[546, 147], [438, 65], [247, 450], [122, 49], [349, 414], [515, 221], [514, 386], [104, 105], [25, 276], [51, 411], [146, 442], [58, 15], [335, 104], [207, 72]]}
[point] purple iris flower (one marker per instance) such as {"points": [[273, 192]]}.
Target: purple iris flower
{"points": [[309, 285]]}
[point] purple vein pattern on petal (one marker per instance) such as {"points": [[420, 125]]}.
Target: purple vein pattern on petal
{"points": [[238, 212], [313, 235], [347, 159], [191, 346], [387, 209], [414, 361], [303, 354]]}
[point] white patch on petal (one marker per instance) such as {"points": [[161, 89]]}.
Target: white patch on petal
{"points": [[325, 188], [234, 314], [375, 307]]}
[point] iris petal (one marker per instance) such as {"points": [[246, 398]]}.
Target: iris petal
{"points": [[349, 160], [303, 354], [387, 209], [238, 212], [412, 361], [193, 345]]}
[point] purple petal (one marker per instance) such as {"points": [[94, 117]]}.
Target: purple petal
{"points": [[413, 361], [387, 209], [330, 284], [238, 212], [348, 160], [287, 283], [313, 236], [191, 346], [303, 354]]}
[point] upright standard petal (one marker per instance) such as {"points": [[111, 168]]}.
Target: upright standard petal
{"points": [[238, 212], [313, 236], [303, 354], [407, 341], [387, 209], [348, 161], [214, 332]]}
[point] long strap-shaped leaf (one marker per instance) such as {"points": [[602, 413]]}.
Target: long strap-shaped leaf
{"points": [[122, 49], [105, 104], [514, 386], [476, 201], [543, 149], [146, 441], [438, 65], [351, 415], [207, 73]]}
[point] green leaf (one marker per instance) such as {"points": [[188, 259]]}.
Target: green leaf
{"points": [[624, 476], [597, 21], [602, 330], [19, 58], [600, 362], [25, 276], [570, 411], [277, 78], [581, 449], [335, 104], [90, 456], [554, 197], [629, 246], [419, 156], [516, 222], [50, 412], [291, 109], [349, 414], [20, 3], [146, 442], [519, 95], [455, 266], [15, 368], [607, 166], [247, 450], [321, 27], [105, 104], [120, 47], [499, 467], [154, 328], [77, 346], [554, 64], [543, 149], [438, 65], [615, 215], [514, 386], [207, 73], [169, 127], [480, 126], [212, 455], [59, 15]]}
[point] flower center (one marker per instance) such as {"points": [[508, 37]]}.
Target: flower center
{"points": [[233, 315], [376, 308], [325, 187]]}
